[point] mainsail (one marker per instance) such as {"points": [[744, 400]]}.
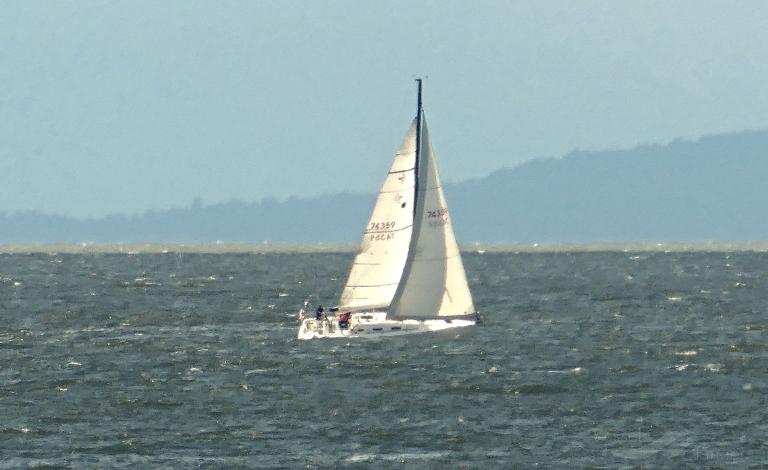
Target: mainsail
{"points": [[378, 266]]}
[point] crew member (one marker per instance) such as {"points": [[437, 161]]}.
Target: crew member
{"points": [[344, 320]]}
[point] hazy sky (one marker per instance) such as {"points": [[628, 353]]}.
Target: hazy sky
{"points": [[126, 106]]}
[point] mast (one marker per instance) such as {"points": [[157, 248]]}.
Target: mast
{"points": [[418, 147], [416, 207]]}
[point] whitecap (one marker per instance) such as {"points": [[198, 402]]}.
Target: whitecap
{"points": [[415, 456], [685, 353], [713, 367], [356, 458], [397, 457]]}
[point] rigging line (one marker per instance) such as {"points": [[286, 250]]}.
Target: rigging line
{"points": [[396, 190], [387, 231], [438, 258], [372, 285], [401, 171]]}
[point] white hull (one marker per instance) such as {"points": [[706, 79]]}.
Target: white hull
{"points": [[374, 325]]}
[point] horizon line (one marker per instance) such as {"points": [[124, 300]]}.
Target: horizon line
{"points": [[480, 248]]}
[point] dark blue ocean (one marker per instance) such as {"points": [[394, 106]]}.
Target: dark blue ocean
{"points": [[584, 360]]}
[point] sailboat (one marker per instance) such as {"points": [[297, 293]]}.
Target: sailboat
{"points": [[408, 276]]}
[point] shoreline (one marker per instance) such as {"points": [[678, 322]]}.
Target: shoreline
{"points": [[319, 247]]}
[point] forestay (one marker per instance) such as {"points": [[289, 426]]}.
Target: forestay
{"points": [[378, 266]]}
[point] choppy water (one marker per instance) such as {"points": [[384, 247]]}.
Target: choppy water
{"points": [[585, 360]]}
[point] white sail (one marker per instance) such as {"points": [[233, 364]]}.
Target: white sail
{"points": [[408, 272], [378, 266], [433, 283]]}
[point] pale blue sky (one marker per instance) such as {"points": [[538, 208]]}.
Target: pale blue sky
{"points": [[127, 106]]}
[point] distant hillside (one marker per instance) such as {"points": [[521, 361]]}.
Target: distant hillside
{"points": [[710, 189], [338, 217]]}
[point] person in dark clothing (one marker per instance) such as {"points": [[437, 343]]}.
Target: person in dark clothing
{"points": [[319, 313]]}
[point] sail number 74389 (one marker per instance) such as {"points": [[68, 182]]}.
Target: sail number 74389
{"points": [[383, 230], [378, 226]]}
